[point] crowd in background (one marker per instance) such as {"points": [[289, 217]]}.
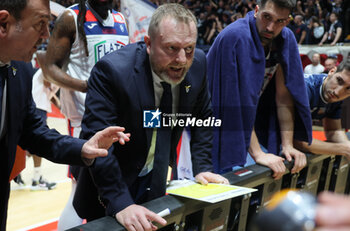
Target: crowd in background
{"points": [[311, 19], [318, 21]]}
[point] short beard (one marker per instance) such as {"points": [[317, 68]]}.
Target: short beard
{"points": [[265, 41], [166, 78]]}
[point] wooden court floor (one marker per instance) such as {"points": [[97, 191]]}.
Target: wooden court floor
{"points": [[31, 208]]}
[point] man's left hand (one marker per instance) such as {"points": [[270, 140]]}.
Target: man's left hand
{"points": [[209, 177], [299, 158], [99, 144]]}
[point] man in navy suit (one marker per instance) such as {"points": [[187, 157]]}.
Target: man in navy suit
{"points": [[23, 26], [122, 87]]}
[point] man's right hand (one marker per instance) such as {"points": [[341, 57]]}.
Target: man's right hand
{"points": [[139, 218], [274, 162], [98, 145]]}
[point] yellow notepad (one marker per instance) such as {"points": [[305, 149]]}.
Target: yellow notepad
{"points": [[211, 193]]}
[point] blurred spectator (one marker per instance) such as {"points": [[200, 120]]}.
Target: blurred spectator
{"points": [[315, 67], [330, 63], [309, 12], [197, 7], [201, 26], [208, 7], [333, 32], [337, 7], [251, 5], [225, 19], [240, 6], [220, 8], [236, 16], [314, 7], [213, 28], [299, 28], [315, 31], [346, 20], [299, 9]]}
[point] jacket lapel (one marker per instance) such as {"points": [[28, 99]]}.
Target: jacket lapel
{"points": [[185, 94], [14, 92], [184, 106], [144, 86]]}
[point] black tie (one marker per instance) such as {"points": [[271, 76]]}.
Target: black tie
{"points": [[3, 75], [167, 99], [163, 145]]}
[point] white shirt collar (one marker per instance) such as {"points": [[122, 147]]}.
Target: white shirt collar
{"points": [[156, 79], [4, 64]]}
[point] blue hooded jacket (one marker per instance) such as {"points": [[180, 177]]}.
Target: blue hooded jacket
{"points": [[236, 69]]}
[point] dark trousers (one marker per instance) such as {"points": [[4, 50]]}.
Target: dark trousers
{"points": [[4, 193]]}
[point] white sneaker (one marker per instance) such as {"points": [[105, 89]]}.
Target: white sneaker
{"points": [[42, 184]]}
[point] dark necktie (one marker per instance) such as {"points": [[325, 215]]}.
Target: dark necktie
{"points": [[167, 99], [3, 76], [163, 145]]}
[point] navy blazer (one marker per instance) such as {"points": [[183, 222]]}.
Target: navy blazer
{"points": [[27, 129], [120, 88]]}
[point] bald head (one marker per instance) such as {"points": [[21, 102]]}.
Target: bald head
{"points": [[330, 63], [298, 19], [315, 59]]}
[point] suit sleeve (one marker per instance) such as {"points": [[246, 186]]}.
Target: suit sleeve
{"points": [[37, 138], [101, 110]]}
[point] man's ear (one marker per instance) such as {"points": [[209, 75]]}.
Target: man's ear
{"points": [[4, 19], [256, 10], [332, 71], [147, 40]]}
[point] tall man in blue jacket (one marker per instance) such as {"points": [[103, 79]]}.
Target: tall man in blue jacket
{"points": [[23, 25], [165, 71], [255, 74]]}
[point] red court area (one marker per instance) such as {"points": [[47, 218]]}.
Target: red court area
{"points": [[55, 112], [318, 135], [48, 227]]}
